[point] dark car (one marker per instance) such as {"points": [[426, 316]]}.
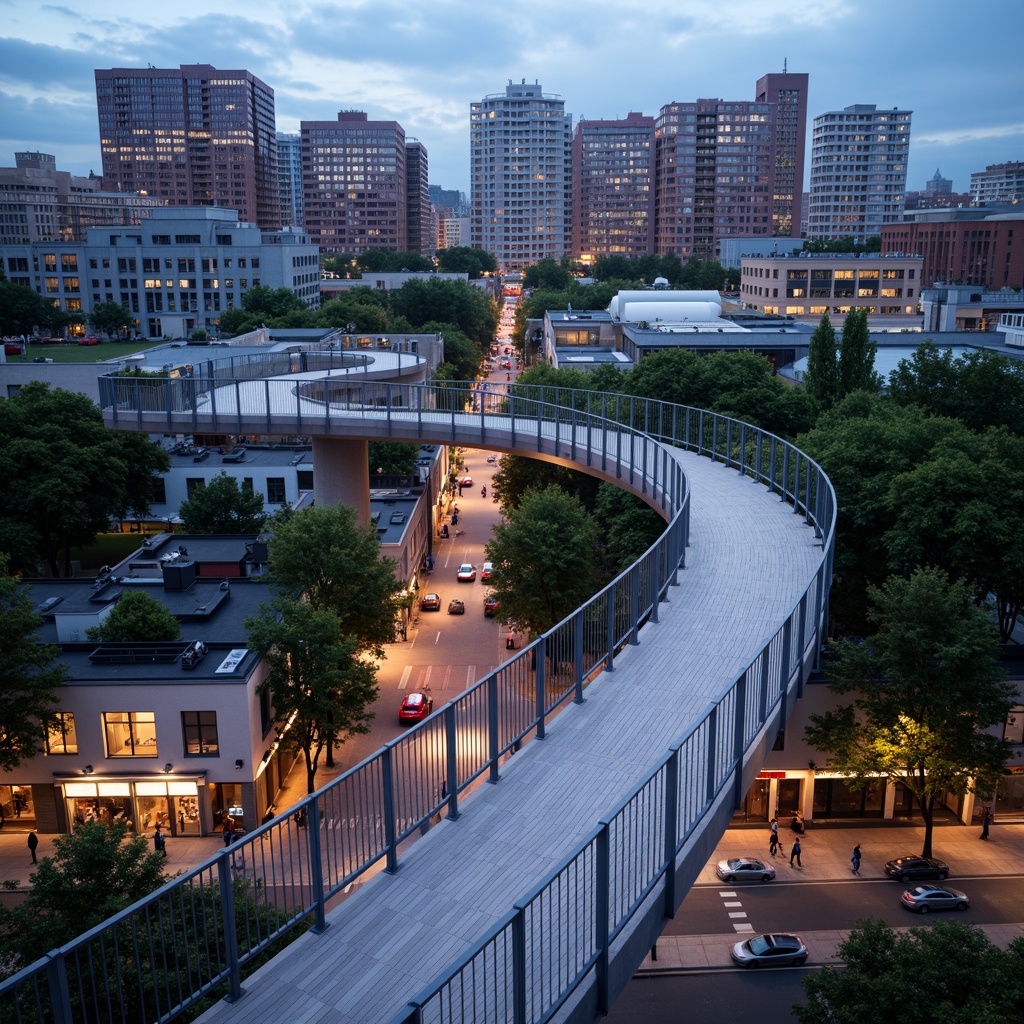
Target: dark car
{"points": [[430, 603], [415, 707], [911, 867], [770, 951], [456, 607], [925, 898]]}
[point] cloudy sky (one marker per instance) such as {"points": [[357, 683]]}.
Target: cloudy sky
{"points": [[960, 73]]}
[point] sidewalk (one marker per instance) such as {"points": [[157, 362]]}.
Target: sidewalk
{"points": [[826, 857]]}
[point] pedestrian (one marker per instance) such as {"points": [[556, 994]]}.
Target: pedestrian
{"points": [[159, 842], [985, 823], [855, 859], [794, 853], [228, 834], [33, 842], [773, 842]]}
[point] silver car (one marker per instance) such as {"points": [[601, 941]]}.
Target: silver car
{"points": [[770, 951], [744, 869], [924, 898]]}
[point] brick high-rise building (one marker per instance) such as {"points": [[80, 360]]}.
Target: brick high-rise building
{"points": [[788, 94], [520, 143], [613, 188], [354, 183], [192, 136], [417, 199], [858, 171]]}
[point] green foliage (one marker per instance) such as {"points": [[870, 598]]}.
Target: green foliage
{"points": [[445, 301], [822, 379], [397, 458], [93, 873], [460, 259], [111, 318], [365, 317], [949, 973], [267, 307], [322, 552], [544, 559], [927, 684], [21, 310], [461, 353], [321, 689], [857, 355], [873, 243], [627, 525], [31, 675], [137, 617], [548, 273], [223, 507], [66, 475]]}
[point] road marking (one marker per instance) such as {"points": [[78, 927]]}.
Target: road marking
{"points": [[437, 638], [447, 677], [724, 894], [743, 928], [425, 681], [735, 914], [736, 904], [406, 672], [470, 676]]}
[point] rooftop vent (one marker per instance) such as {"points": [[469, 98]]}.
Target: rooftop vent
{"points": [[192, 655], [48, 605], [397, 518]]}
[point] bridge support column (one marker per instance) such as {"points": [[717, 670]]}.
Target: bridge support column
{"points": [[343, 474]]}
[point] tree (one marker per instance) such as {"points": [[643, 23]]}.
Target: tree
{"points": [[927, 684], [396, 458], [223, 507], [628, 526], [66, 475], [544, 555], [137, 617], [460, 352], [460, 259], [320, 688], [547, 273], [446, 301], [31, 675], [822, 378], [857, 355], [110, 318], [94, 872], [20, 309], [323, 552], [949, 972]]}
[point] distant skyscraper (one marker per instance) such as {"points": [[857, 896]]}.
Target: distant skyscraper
{"points": [[450, 197], [998, 183], [520, 143], [858, 171], [354, 183], [417, 199], [289, 177], [195, 136], [788, 95], [613, 188], [938, 185]]}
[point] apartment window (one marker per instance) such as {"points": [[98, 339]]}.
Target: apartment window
{"points": [[275, 490], [130, 733], [159, 491], [200, 732], [193, 485], [60, 734]]}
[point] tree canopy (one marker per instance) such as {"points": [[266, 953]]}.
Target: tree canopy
{"points": [[223, 507], [66, 475], [137, 616], [21, 309], [31, 675], [948, 972], [460, 259], [446, 301], [926, 684], [111, 318], [822, 377]]}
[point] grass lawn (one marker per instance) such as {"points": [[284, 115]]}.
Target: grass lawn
{"points": [[75, 353]]}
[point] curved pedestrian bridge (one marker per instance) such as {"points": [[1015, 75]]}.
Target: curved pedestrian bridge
{"points": [[636, 727]]}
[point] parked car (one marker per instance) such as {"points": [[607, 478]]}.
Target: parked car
{"points": [[485, 571], [772, 950], [492, 459], [466, 481], [740, 869], [89, 339], [430, 603], [491, 605], [910, 867], [466, 573], [415, 707], [11, 349], [925, 898], [456, 607]]}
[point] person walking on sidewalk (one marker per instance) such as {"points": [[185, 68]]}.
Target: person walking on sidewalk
{"points": [[159, 841], [773, 837], [855, 859], [985, 823], [794, 853], [33, 842]]}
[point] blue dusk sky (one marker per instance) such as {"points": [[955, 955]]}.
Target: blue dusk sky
{"points": [[958, 68]]}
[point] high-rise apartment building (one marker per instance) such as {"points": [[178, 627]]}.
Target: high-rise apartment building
{"points": [[998, 183], [787, 92], [938, 185], [354, 183], [289, 179], [613, 188], [38, 203], [417, 199], [858, 171], [194, 136], [520, 145]]}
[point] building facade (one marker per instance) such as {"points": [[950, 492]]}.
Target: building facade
{"points": [[354, 183], [289, 179], [858, 171], [192, 136], [418, 217], [787, 93], [38, 203], [520, 146], [809, 285], [613, 188], [998, 183], [176, 271]]}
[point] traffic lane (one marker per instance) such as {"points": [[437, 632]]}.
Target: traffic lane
{"points": [[814, 906]]}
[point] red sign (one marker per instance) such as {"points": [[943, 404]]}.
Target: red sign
{"points": [[771, 775]]}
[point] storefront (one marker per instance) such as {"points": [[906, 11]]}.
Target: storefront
{"points": [[175, 802], [779, 794], [17, 808]]}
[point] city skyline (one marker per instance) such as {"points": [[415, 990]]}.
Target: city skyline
{"points": [[425, 69]]}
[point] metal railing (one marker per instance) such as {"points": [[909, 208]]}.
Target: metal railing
{"points": [[191, 940]]}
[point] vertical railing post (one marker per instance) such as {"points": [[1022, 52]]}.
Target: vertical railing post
{"points": [[712, 781], [390, 825], [801, 643], [519, 965], [539, 655], [787, 652], [452, 764], [634, 606], [227, 916], [492, 726], [577, 654], [738, 738], [315, 838], [60, 994], [602, 913], [671, 816], [610, 630]]}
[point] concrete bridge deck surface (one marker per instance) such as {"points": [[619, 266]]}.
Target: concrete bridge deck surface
{"points": [[749, 561]]}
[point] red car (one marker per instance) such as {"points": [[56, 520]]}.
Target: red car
{"points": [[11, 349], [89, 340], [415, 708], [491, 606]]}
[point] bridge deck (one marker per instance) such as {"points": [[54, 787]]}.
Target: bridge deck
{"points": [[749, 561]]}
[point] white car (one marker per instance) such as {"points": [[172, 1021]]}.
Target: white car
{"points": [[467, 573]]}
